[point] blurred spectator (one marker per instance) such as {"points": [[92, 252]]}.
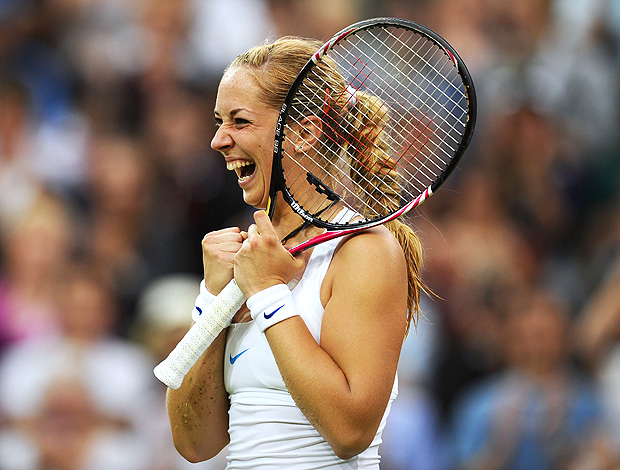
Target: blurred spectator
{"points": [[35, 254], [43, 136], [120, 201], [19, 187], [75, 400], [195, 192], [476, 256], [413, 437], [538, 413], [28, 56], [212, 44]]}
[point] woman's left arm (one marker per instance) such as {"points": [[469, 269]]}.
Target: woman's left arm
{"points": [[343, 385]]}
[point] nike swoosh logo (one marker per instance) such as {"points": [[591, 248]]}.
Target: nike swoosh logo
{"points": [[268, 316], [233, 359]]}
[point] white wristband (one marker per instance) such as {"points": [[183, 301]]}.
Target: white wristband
{"points": [[271, 306], [204, 299]]}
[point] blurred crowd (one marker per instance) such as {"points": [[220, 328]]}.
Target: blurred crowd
{"points": [[108, 184]]}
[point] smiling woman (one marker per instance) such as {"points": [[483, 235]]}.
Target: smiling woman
{"points": [[305, 374]]}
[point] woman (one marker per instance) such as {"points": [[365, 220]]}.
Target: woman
{"points": [[302, 378]]}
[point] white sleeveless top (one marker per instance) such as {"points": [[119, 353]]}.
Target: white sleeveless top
{"points": [[267, 429]]}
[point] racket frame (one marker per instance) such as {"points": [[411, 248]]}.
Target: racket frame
{"points": [[277, 174]]}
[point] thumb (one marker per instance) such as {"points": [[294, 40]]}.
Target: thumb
{"points": [[263, 224]]}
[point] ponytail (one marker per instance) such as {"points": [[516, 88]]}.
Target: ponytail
{"points": [[374, 168]]}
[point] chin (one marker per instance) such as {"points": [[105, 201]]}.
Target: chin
{"points": [[250, 201]]}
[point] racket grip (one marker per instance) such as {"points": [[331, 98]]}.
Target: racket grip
{"points": [[172, 370]]}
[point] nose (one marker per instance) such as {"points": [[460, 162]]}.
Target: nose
{"points": [[222, 140]]}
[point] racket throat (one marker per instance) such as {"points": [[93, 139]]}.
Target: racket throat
{"points": [[306, 223], [322, 188]]}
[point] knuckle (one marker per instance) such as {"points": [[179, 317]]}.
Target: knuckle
{"points": [[211, 251]]}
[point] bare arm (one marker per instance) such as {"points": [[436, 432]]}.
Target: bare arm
{"points": [[198, 410], [343, 385]]}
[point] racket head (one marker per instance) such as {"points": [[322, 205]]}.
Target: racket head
{"points": [[374, 123]]}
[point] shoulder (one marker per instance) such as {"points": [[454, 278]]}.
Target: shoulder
{"points": [[375, 247], [372, 257]]}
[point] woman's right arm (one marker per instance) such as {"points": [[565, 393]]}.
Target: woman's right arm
{"points": [[198, 410]]}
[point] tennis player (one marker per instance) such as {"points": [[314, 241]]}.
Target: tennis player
{"points": [[304, 376]]}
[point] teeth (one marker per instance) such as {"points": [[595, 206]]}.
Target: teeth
{"points": [[236, 165]]}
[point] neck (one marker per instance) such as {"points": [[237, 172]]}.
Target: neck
{"points": [[284, 219], [290, 227]]}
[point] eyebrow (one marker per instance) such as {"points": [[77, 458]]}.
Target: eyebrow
{"points": [[233, 112]]}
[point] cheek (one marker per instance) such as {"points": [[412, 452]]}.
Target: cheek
{"points": [[265, 154]]}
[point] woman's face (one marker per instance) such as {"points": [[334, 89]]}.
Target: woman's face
{"points": [[245, 134]]}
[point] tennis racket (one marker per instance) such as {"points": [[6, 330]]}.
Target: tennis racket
{"points": [[373, 124]]}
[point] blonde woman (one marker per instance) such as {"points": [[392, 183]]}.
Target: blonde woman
{"points": [[304, 377]]}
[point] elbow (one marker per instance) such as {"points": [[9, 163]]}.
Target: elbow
{"points": [[190, 453], [196, 453], [351, 444]]}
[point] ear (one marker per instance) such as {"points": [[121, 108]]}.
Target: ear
{"points": [[309, 134]]}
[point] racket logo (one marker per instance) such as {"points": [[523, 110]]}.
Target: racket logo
{"points": [[268, 316], [233, 359], [297, 208], [279, 124]]}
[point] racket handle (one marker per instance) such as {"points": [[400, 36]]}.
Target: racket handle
{"points": [[172, 370]]}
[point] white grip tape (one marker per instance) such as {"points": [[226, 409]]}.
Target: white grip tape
{"points": [[271, 306], [172, 370]]}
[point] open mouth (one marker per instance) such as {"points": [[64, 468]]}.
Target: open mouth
{"points": [[243, 169]]}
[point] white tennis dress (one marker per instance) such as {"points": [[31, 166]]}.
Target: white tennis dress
{"points": [[267, 429]]}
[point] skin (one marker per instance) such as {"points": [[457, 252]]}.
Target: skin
{"points": [[342, 385]]}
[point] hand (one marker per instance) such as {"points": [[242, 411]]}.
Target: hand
{"points": [[262, 261], [218, 252]]}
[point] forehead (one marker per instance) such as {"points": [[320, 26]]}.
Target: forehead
{"points": [[238, 89]]}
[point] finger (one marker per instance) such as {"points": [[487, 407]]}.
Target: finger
{"points": [[264, 225], [224, 231], [223, 237], [231, 247], [253, 231]]}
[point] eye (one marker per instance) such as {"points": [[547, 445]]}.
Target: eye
{"points": [[240, 122], [218, 121]]}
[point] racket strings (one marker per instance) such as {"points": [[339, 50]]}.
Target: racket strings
{"points": [[406, 70], [361, 170], [370, 162], [368, 194], [439, 75], [387, 132], [318, 164]]}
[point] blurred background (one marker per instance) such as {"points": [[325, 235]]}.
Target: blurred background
{"points": [[108, 184]]}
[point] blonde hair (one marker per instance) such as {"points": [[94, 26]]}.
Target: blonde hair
{"points": [[275, 66]]}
